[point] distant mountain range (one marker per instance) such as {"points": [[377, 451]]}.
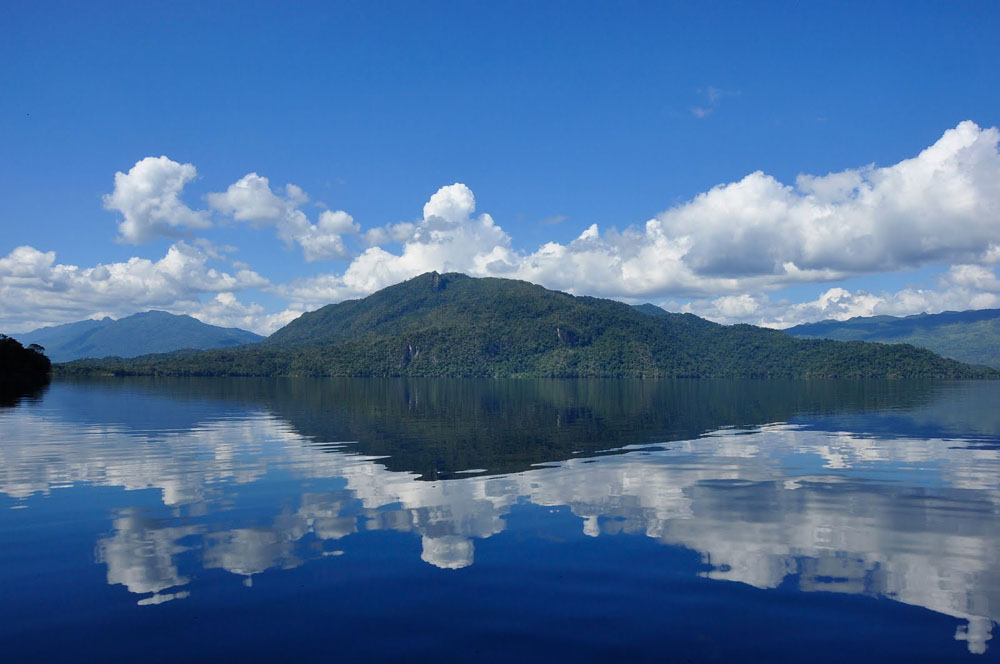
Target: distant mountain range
{"points": [[967, 336], [455, 325], [139, 334]]}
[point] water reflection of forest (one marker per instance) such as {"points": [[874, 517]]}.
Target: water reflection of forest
{"points": [[435, 427], [821, 504]]}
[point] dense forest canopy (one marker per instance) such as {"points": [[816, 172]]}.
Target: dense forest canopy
{"points": [[24, 371], [967, 336], [19, 362], [455, 325]]}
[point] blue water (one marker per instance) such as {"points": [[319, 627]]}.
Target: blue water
{"points": [[447, 520]]}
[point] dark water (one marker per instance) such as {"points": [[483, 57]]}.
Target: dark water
{"points": [[423, 520]]}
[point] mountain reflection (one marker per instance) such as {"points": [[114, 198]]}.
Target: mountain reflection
{"points": [[888, 490]]}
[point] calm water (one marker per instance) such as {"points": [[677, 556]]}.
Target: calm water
{"points": [[423, 520]]}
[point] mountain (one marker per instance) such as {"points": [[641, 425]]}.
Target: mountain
{"points": [[139, 334], [967, 336], [455, 325], [651, 309]]}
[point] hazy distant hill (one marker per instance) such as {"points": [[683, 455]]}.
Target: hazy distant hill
{"points": [[139, 334], [969, 336], [455, 325]]}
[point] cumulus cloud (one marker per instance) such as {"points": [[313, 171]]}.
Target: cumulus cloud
{"points": [[251, 199], [400, 232], [941, 206], [750, 236], [448, 238], [35, 290], [725, 249], [148, 196], [226, 310]]}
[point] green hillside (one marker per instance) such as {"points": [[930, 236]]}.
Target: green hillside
{"points": [[454, 325], [651, 309], [139, 334], [968, 336]]}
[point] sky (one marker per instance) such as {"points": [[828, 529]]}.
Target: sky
{"points": [[243, 162]]}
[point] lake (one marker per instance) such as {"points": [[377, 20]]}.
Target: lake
{"points": [[167, 520]]}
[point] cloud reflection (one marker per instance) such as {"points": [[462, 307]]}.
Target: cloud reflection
{"points": [[908, 519], [141, 556]]}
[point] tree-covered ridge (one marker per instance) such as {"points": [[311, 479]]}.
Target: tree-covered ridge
{"points": [[967, 336], [437, 426], [455, 325], [651, 309], [17, 361], [23, 370]]}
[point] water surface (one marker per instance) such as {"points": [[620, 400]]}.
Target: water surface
{"points": [[448, 520]]}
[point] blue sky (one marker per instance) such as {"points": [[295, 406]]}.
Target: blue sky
{"points": [[390, 117]]}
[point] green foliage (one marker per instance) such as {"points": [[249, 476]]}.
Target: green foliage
{"points": [[454, 325], [436, 426], [23, 371], [16, 361], [967, 336]]}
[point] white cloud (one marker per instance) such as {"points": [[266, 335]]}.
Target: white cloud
{"points": [[35, 290], [148, 196], [972, 278], [736, 307], [251, 199], [218, 252], [941, 206], [448, 238], [725, 248], [453, 204], [226, 310], [337, 222], [750, 236], [379, 235]]}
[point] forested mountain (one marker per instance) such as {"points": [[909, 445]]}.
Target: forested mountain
{"points": [[455, 325], [139, 334], [652, 309], [968, 336]]}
